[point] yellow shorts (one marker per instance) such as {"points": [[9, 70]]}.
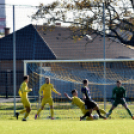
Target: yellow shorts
{"points": [[26, 103], [89, 119], [47, 100], [84, 111]]}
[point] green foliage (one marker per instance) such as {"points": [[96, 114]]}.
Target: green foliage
{"points": [[87, 15]]}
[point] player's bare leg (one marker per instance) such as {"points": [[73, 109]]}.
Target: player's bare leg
{"points": [[128, 110], [98, 111], [28, 110], [42, 107], [52, 112], [21, 112], [110, 111], [18, 113], [87, 114]]}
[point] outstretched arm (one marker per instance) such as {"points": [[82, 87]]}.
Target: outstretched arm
{"points": [[54, 90], [84, 97], [66, 95]]}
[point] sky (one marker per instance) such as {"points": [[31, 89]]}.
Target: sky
{"points": [[21, 12], [28, 2]]}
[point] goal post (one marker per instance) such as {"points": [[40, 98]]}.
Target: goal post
{"points": [[81, 60], [67, 75]]}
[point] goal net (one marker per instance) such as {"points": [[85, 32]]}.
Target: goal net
{"points": [[68, 75]]}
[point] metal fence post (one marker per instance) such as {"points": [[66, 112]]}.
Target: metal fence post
{"points": [[14, 60], [40, 84], [104, 55]]}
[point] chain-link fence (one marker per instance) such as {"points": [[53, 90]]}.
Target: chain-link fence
{"points": [[25, 36]]}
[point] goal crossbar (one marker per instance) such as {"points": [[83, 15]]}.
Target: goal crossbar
{"points": [[87, 60]]}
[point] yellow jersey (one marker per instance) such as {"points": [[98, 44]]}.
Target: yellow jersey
{"points": [[23, 91], [78, 102], [46, 90]]}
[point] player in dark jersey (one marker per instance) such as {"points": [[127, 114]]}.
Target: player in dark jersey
{"points": [[89, 103], [118, 95]]}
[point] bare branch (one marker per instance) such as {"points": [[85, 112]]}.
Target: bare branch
{"points": [[93, 18]]}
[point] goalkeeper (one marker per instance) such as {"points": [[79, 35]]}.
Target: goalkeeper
{"points": [[118, 95], [47, 97]]}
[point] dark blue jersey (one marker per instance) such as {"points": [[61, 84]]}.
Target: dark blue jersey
{"points": [[86, 91]]}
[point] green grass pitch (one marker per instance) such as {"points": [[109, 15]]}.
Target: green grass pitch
{"points": [[67, 127], [66, 122]]}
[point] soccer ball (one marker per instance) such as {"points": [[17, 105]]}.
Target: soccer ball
{"points": [[95, 116]]}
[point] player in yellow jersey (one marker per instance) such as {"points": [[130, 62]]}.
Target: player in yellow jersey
{"points": [[45, 93], [23, 93], [78, 102]]}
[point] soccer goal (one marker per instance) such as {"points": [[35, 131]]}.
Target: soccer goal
{"points": [[67, 75]]}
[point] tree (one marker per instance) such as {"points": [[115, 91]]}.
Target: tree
{"points": [[83, 16]]}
